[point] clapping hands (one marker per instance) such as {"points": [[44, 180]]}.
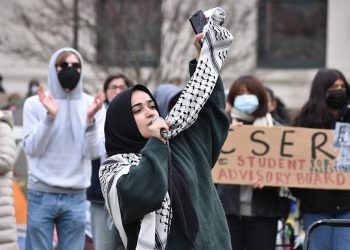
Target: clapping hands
{"points": [[48, 101], [95, 106], [51, 105]]}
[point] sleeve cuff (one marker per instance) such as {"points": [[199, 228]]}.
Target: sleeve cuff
{"points": [[90, 127], [49, 119]]}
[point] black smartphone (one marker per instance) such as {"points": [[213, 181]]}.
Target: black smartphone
{"points": [[198, 20]]}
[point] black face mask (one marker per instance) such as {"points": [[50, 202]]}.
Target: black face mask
{"points": [[336, 98], [68, 77]]}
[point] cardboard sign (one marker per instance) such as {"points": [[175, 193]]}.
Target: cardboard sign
{"points": [[281, 156]]}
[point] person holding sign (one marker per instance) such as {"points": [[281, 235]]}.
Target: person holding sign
{"points": [[328, 104], [252, 211]]}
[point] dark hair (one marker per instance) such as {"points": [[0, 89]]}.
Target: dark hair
{"points": [[314, 113], [32, 82], [127, 81], [280, 114], [255, 87]]}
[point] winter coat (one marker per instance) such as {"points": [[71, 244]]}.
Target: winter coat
{"points": [[314, 201], [8, 240], [193, 158]]}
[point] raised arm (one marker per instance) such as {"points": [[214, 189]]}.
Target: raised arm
{"points": [[36, 127], [201, 85]]}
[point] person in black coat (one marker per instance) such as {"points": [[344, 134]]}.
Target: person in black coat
{"points": [[252, 211], [105, 234], [329, 103]]}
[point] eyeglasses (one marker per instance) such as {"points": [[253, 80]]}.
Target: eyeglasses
{"points": [[114, 87], [64, 65]]}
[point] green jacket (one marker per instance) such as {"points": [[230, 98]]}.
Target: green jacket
{"points": [[194, 152]]}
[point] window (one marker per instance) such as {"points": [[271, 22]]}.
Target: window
{"points": [[292, 33], [128, 32]]}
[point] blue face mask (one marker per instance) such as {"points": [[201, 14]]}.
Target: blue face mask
{"points": [[246, 104]]}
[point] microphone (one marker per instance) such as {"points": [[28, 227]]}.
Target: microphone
{"points": [[163, 133]]}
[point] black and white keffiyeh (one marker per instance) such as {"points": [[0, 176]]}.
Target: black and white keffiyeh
{"points": [[215, 47], [155, 226]]}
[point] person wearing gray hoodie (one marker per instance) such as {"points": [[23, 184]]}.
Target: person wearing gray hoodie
{"points": [[63, 132]]}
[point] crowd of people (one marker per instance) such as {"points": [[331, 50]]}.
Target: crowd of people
{"points": [[140, 163]]}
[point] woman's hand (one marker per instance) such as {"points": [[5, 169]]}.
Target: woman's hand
{"points": [[237, 123], [228, 107], [257, 183], [48, 101], [157, 125], [196, 42]]}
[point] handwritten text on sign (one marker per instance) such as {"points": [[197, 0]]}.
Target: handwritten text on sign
{"points": [[280, 156]]}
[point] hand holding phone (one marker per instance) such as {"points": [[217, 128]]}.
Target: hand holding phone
{"points": [[198, 21]]}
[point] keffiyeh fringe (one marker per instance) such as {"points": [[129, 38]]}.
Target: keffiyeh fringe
{"points": [[154, 226]]}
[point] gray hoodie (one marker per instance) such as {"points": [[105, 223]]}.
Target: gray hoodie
{"points": [[60, 149]]}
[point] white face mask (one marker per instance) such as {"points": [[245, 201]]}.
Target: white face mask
{"points": [[246, 104]]}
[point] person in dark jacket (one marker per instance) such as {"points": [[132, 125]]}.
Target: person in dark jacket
{"points": [[329, 103], [252, 211], [161, 196], [105, 234]]}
